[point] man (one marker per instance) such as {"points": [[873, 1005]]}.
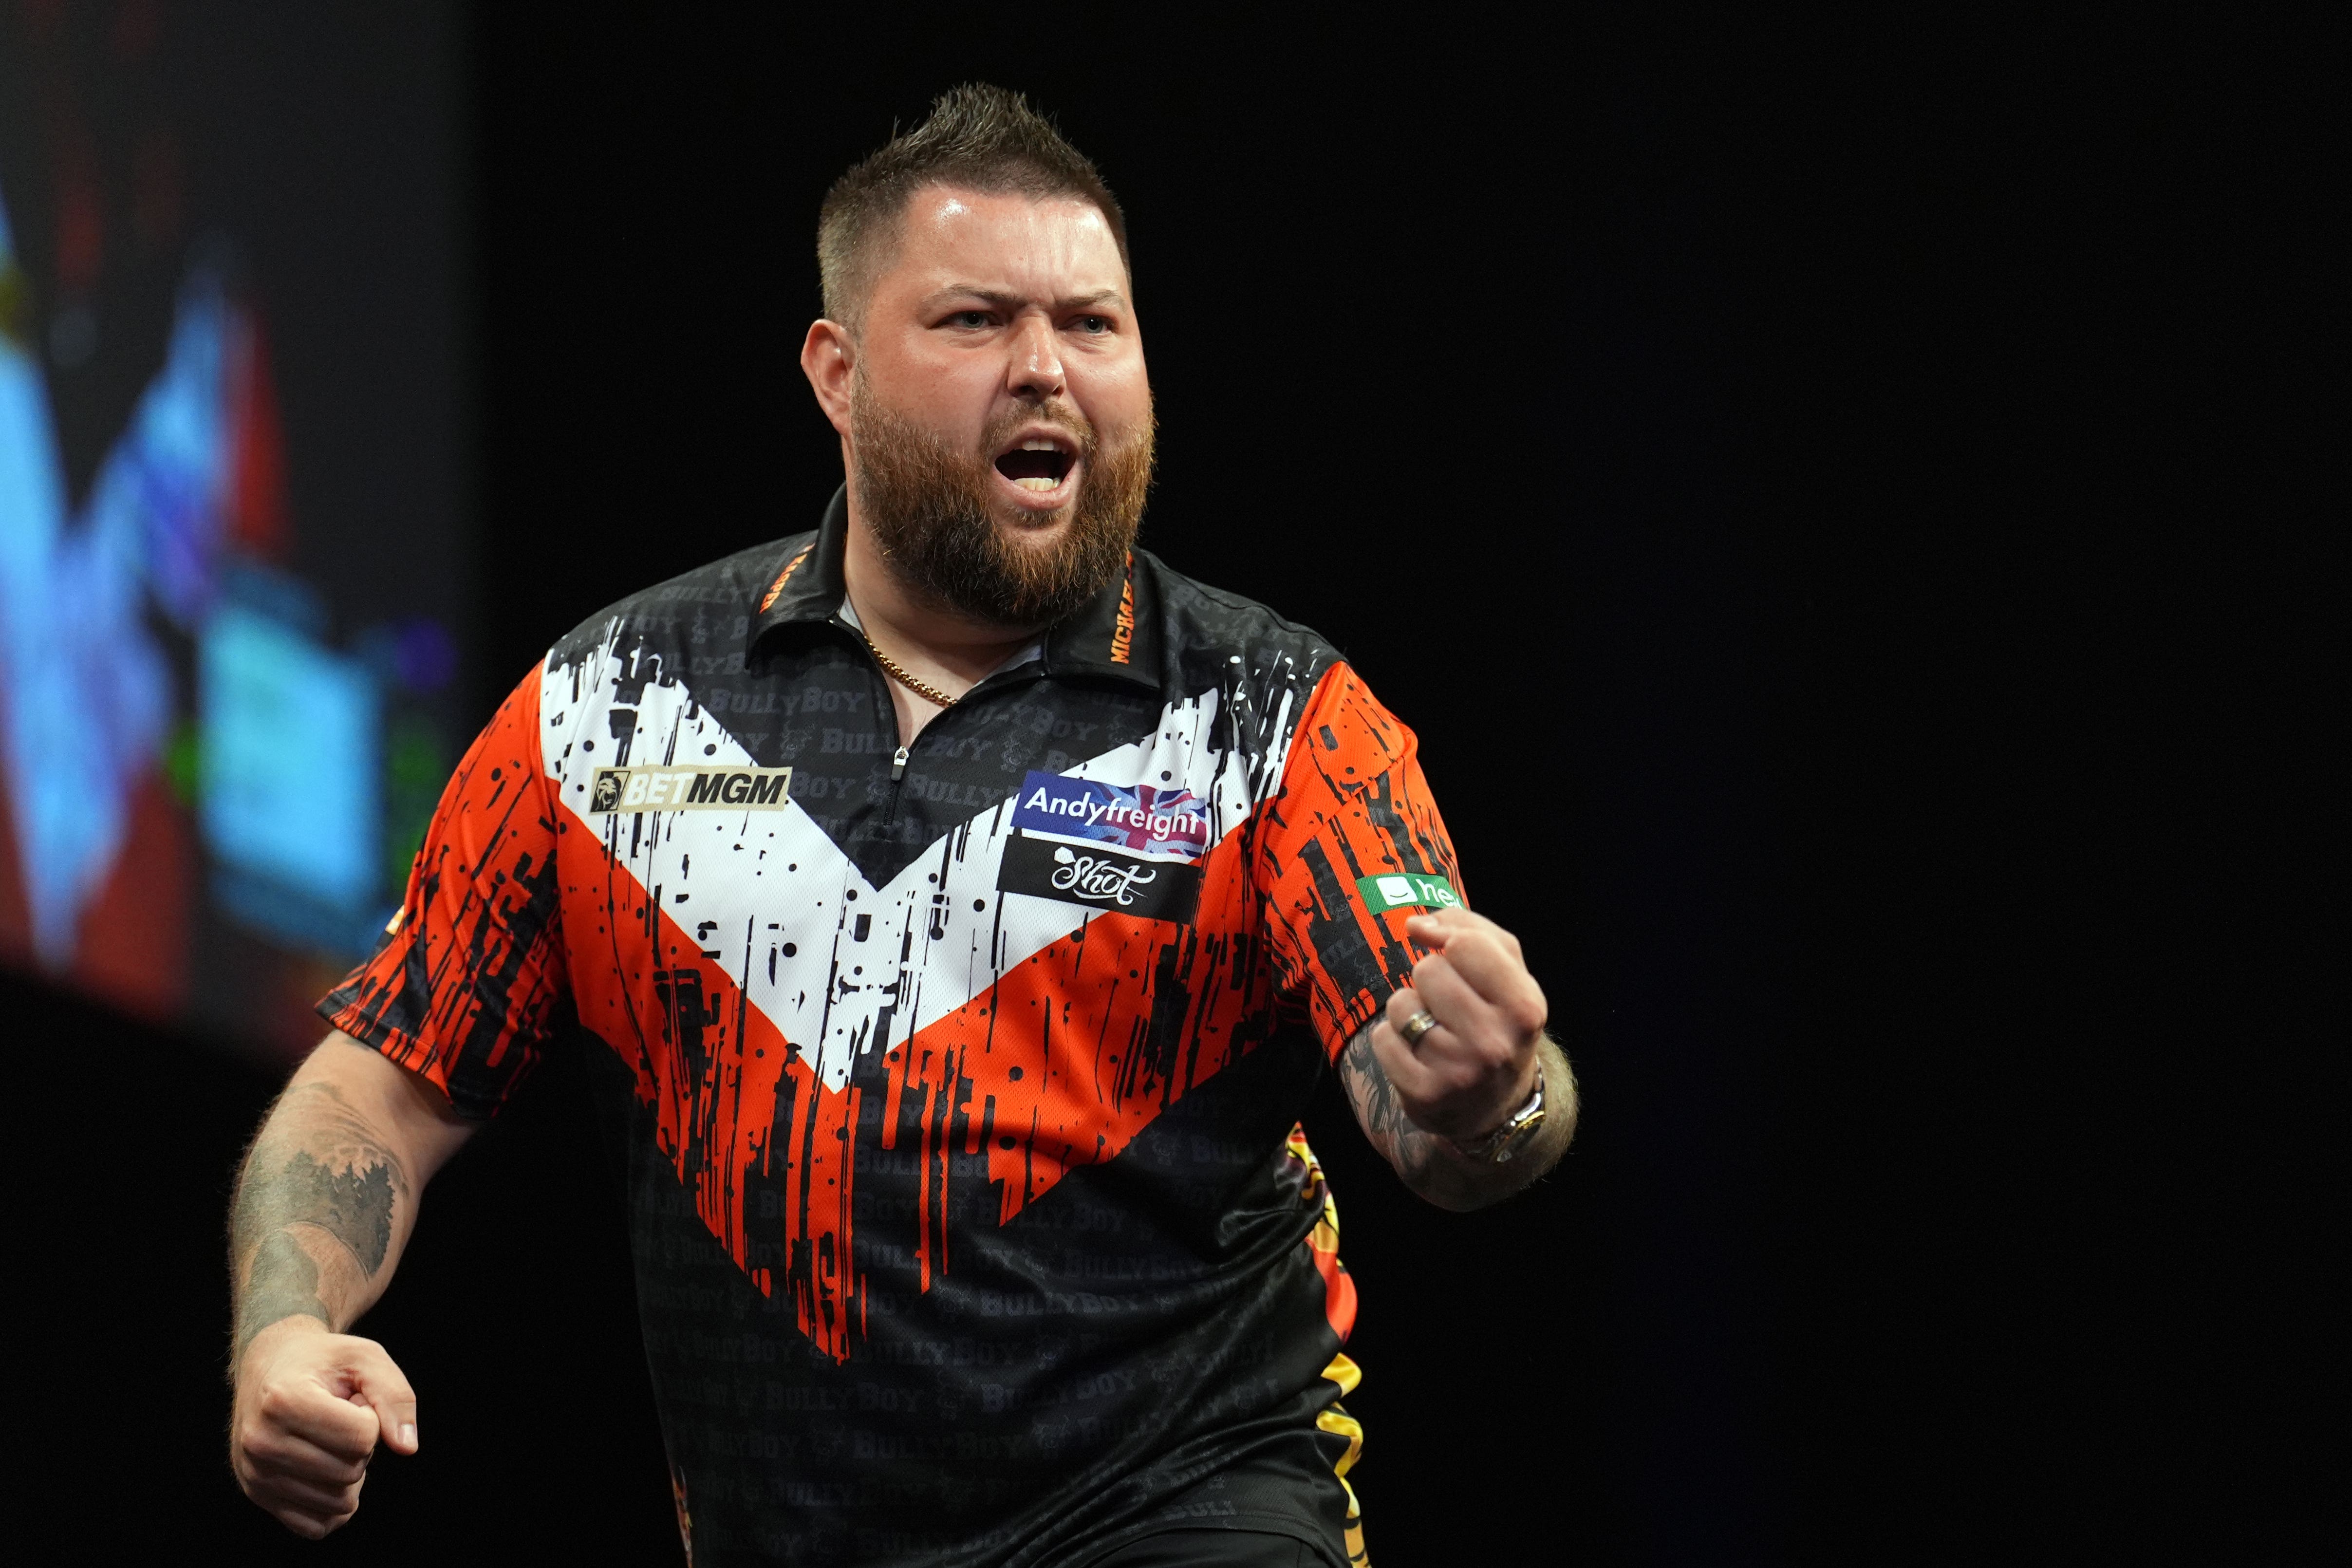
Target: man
{"points": [[959, 906]]}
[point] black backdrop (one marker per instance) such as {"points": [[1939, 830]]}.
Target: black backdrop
{"points": [[1680, 429]]}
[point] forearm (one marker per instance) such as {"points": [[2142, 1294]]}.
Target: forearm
{"points": [[328, 1194], [1433, 1166]]}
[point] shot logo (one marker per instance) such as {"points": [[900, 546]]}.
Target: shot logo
{"points": [[1140, 820], [1100, 878], [689, 789], [1407, 889]]}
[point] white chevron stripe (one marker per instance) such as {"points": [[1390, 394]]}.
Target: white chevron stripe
{"points": [[824, 955]]}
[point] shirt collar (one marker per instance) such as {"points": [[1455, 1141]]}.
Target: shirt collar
{"points": [[1115, 634], [807, 587]]}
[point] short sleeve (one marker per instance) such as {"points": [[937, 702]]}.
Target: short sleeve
{"points": [[1352, 847], [465, 985]]}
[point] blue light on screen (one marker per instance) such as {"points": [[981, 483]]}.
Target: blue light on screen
{"points": [[88, 691], [290, 754], [290, 769]]}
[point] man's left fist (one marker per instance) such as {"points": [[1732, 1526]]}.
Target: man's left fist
{"points": [[1467, 1076]]}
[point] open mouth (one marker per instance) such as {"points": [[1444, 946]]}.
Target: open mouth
{"points": [[1039, 463]]}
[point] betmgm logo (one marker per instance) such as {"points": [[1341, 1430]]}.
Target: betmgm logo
{"points": [[689, 789]]}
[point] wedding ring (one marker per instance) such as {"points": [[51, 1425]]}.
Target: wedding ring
{"points": [[1413, 1028]]}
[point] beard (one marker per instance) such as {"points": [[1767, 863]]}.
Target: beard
{"points": [[949, 539]]}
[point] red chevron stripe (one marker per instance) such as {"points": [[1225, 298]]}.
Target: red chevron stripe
{"points": [[1057, 1064]]}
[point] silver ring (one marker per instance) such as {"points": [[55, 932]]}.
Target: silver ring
{"points": [[1413, 1028]]}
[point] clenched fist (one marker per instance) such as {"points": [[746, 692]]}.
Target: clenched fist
{"points": [[311, 1406], [1467, 1076]]}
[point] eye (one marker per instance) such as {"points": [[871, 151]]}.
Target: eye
{"points": [[1092, 324], [973, 320]]}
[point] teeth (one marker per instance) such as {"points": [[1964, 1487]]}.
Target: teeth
{"points": [[1039, 443], [1037, 482]]}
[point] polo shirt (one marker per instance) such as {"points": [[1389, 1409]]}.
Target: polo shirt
{"points": [[959, 1080]]}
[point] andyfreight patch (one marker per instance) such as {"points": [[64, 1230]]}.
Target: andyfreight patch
{"points": [[1140, 820], [1408, 890], [1100, 878], [689, 789]]}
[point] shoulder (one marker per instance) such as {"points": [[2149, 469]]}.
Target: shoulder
{"points": [[1205, 628], [1271, 676], [700, 605]]}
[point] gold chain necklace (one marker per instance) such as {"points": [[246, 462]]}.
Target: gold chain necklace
{"points": [[890, 667]]}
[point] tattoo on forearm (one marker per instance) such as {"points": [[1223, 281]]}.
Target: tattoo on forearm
{"points": [[353, 1206], [1448, 1179], [1401, 1144], [283, 1283], [321, 1166]]}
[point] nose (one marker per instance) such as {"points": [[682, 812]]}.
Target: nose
{"points": [[1035, 372]]}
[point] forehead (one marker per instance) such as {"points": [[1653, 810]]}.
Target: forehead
{"points": [[1054, 246]]}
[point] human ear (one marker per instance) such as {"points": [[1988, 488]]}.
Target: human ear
{"points": [[828, 356]]}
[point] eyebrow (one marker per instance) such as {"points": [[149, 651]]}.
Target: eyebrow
{"points": [[1014, 301]]}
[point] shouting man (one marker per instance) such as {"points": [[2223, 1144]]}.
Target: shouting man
{"points": [[958, 905]]}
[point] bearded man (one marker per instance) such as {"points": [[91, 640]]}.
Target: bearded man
{"points": [[956, 907]]}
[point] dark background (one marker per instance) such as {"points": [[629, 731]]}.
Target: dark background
{"points": [[1751, 458]]}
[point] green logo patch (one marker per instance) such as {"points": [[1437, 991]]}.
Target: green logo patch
{"points": [[1408, 890]]}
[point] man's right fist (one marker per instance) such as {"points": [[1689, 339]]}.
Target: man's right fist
{"points": [[309, 1407]]}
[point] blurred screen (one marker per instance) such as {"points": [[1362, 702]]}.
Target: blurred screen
{"points": [[235, 565]]}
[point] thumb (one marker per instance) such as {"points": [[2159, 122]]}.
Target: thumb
{"points": [[378, 1383], [1432, 929]]}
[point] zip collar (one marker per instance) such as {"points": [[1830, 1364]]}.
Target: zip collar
{"points": [[1115, 635]]}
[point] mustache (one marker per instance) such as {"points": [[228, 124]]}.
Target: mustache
{"points": [[1060, 413]]}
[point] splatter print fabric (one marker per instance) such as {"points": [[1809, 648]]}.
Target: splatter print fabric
{"points": [[972, 1224]]}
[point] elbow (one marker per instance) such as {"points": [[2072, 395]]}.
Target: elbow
{"points": [[1462, 1187]]}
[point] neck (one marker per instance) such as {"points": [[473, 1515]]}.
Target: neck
{"points": [[931, 638]]}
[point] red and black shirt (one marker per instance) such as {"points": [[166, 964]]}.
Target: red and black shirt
{"points": [[972, 1224]]}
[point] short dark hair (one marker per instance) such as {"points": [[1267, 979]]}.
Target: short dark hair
{"points": [[977, 138]]}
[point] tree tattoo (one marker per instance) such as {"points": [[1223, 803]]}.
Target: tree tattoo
{"points": [[321, 1166]]}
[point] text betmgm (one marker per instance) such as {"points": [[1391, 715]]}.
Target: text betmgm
{"points": [[689, 789]]}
